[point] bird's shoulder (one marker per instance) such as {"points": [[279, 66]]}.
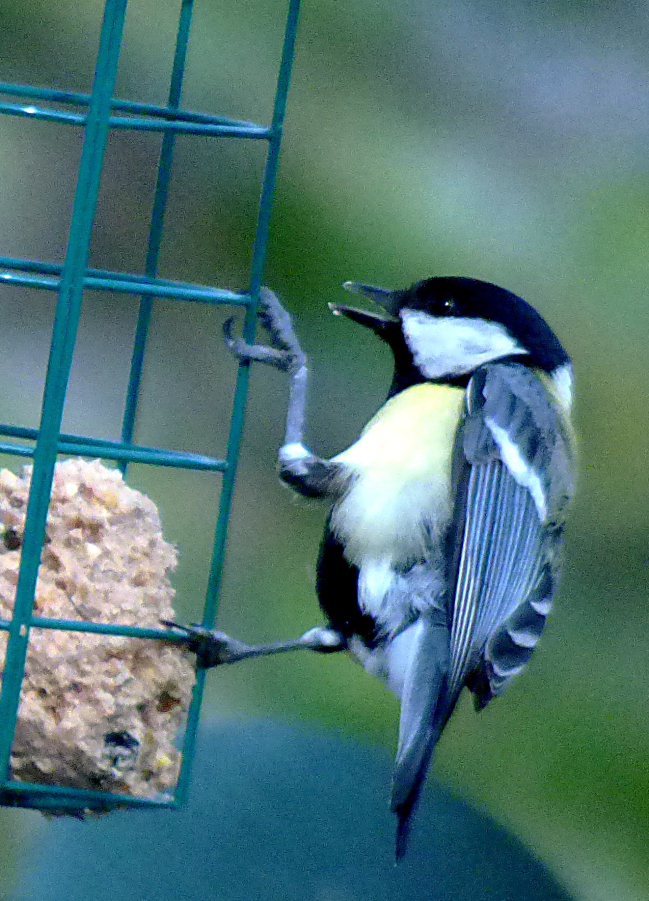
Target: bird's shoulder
{"points": [[514, 414]]}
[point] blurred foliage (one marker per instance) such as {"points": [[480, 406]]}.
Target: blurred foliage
{"points": [[504, 141]]}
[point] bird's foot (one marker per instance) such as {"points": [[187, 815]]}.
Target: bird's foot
{"points": [[284, 351], [213, 648]]}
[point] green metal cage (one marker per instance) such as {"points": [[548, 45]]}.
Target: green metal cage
{"points": [[97, 113]]}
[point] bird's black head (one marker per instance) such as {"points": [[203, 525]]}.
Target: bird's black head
{"points": [[443, 329]]}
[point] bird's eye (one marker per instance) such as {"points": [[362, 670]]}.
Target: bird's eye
{"points": [[448, 305]]}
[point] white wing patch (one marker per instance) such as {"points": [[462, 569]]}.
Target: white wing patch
{"points": [[443, 346], [524, 474]]}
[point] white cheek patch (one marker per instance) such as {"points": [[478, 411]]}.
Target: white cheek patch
{"points": [[445, 346]]}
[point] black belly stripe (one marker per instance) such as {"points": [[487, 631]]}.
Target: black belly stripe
{"points": [[337, 588]]}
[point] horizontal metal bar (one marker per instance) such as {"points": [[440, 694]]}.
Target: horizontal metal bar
{"points": [[153, 456], [137, 281], [131, 285], [94, 628], [71, 625], [253, 132], [71, 98], [41, 796], [39, 113], [30, 281], [16, 450], [80, 446]]}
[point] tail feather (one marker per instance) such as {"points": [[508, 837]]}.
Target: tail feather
{"points": [[423, 716], [405, 809]]}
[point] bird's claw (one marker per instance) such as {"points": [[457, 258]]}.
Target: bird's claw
{"points": [[284, 351], [212, 648], [257, 352]]}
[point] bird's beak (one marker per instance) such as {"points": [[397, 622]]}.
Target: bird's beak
{"points": [[378, 322]]}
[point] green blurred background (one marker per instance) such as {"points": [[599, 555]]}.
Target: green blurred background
{"points": [[501, 141]]}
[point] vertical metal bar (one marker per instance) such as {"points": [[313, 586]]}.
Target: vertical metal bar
{"points": [[272, 161], [66, 321], [237, 422], [156, 228], [241, 390]]}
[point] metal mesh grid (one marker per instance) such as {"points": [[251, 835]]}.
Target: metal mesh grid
{"points": [[98, 113]]}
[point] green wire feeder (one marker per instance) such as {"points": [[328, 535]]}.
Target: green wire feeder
{"points": [[97, 113]]}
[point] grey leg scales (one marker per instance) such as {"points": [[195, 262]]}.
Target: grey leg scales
{"points": [[214, 648]]}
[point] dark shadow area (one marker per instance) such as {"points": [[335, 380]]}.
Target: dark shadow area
{"points": [[283, 812]]}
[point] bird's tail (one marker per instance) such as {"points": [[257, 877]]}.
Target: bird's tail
{"points": [[424, 712], [404, 809]]}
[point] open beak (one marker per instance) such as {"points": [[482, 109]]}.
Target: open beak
{"points": [[380, 323]]}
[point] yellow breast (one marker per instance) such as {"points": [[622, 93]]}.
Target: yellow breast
{"points": [[401, 465]]}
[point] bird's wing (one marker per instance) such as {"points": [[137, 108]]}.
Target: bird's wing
{"points": [[514, 481]]}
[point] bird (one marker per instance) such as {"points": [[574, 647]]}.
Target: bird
{"points": [[443, 541]]}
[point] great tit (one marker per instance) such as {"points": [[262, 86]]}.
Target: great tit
{"points": [[440, 555]]}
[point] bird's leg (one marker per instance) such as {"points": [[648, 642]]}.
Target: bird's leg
{"points": [[309, 475], [214, 648]]}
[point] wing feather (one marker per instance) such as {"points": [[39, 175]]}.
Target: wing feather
{"points": [[514, 477], [515, 462]]}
